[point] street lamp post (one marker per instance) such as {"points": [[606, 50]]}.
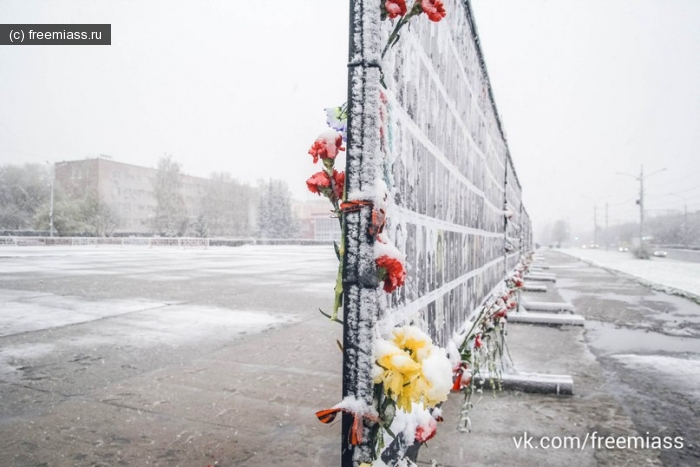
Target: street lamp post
{"points": [[640, 202], [607, 238], [595, 219]]}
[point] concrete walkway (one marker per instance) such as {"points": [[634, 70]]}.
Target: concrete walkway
{"points": [[105, 392]]}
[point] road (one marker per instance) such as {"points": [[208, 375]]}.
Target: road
{"points": [[692, 256]]}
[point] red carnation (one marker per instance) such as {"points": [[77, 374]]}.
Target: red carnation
{"points": [[434, 9], [339, 179], [391, 271], [424, 433], [327, 145], [318, 182], [395, 8]]}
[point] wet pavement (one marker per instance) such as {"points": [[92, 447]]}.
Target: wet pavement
{"points": [[219, 357], [648, 345]]}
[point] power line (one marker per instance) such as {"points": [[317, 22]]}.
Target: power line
{"points": [[689, 189], [684, 177]]}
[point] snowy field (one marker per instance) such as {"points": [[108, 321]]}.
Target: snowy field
{"points": [[661, 273], [304, 267], [166, 356], [148, 298]]}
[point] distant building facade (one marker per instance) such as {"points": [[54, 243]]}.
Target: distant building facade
{"points": [[129, 190], [316, 220]]}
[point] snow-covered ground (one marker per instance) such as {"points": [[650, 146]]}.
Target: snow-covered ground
{"points": [[661, 273], [84, 298]]}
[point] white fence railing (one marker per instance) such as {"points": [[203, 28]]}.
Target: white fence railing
{"points": [[150, 242]]}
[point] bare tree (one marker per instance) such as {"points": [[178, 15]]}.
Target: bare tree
{"points": [[23, 189], [226, 206]]}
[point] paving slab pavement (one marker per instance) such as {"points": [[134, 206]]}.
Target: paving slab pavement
{"points": [[250, 399]]}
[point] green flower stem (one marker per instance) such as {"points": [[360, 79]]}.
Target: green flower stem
{"points": [[338, 301], [339, 279], [394, 37]]}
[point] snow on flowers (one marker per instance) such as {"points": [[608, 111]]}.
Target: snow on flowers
{"points": [[412, 369], [330, 183], [329, 186], [411, 375], [392, 9], [327, 146], [390, 264], [434, 9]]}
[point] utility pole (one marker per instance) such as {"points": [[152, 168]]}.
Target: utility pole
{"points": [[595, 219], [607, 238], [595, 224], [640, 202], [685, 217]]}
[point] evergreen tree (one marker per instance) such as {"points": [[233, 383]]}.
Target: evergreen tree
{"points": [[275, 217], [201, 229], [170, 218]]}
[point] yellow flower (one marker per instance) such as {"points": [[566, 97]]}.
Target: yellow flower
{"points": [[395, 368], [400, 367], [415, 341]]}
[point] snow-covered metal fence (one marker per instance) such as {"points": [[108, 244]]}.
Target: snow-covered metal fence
{"points": [[425, 149]]}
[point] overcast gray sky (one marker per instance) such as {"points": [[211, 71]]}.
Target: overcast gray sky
{"points": [[585, 88], [590, 88]]}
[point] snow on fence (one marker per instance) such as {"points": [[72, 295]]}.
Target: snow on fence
{"points": [[426, 149]]}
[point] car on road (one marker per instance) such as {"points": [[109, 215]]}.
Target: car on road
{"points": [[660, 254]]}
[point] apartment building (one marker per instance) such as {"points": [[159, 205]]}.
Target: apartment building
{"points": [[126, 188]]}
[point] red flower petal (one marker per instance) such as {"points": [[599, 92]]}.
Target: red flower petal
{"points": [[395, 8], [326, 146], [395, 272], [434, 9], [424, 433], [318, 181], [339, 180]]}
